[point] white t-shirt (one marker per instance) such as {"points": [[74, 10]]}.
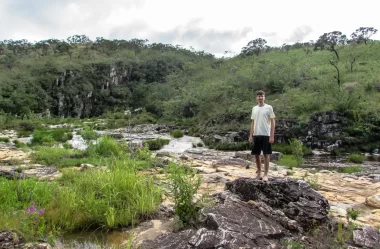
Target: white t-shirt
{"points": [[262, 115]]}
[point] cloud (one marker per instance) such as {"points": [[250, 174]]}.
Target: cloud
{"points": [[191, 34], [299, 34], [269, 34]]}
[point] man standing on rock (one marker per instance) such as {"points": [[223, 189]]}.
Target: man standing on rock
{"points": [[262, 133]]}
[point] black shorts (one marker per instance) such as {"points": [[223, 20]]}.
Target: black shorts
{"points": [[261, 143]]}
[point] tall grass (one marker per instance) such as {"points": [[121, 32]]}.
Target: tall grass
{"points": [[95, 198]]}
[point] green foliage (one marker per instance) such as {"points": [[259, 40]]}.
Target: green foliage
{"points": [[352, 169], [107, 147], [297, 150], [289, 161], [156, 144], [88, 134], [176, 133], [352, 214], [94, 198], [184, 185], [60, 157], [19, 144], [4, 139], [356, 158], [48, 137]]}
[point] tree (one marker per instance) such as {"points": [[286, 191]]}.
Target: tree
{"points": [[331, 41], [64, 48], [254, 47], [9, 61], [363, 34], [337, 76], [78, 39]]}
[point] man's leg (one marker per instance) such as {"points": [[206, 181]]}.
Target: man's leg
{"points": [[258, 165], [266, 166]]}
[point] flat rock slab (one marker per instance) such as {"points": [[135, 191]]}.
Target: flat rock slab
{"points": [[42, 173]]}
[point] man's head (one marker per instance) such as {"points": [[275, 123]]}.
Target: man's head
{"points": [[260, 97]]}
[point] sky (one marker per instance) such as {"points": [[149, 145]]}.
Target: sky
{"points": [[214, 26]]}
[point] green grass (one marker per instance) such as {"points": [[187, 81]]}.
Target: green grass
{"points": [[352, 169], [289, 161], [356, 158], [4, 139], [156, 144], [49, 137], [94, 198], [176, 133]]}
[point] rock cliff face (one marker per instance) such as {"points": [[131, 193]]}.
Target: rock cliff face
{"points": [[86, 92], [253, 214]]}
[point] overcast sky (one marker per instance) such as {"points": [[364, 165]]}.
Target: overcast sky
{"points": [[214, 26]]}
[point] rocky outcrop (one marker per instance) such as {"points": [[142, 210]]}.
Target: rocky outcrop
{"points": [[253, 214], [11, 240], [367, 237]]}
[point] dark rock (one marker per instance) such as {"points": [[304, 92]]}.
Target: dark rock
{"points": [[368, 237], [9, 239], [295, 198], [262, 215]]}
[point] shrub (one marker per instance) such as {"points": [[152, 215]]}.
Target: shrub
{"points": [[288, 160], [107, 147], [356, 158], [4, 139], [352, 169], [283, 148], [89, 134], [48, 137], [156, 144], [297, 150], [176, 133], [352, 214], [19, 144], [184, 184]]}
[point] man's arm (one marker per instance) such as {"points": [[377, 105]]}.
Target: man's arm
{"points": [[251, 130], [272, 126]]}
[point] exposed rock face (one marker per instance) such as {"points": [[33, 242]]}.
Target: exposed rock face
{"points": [[262, 215], [295, 198], [11, 240], [368, 237]]}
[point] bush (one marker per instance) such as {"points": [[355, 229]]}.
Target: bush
{"points": [[289, 161], [176, 133], [49, 137], [282, 148], [89, 134], [156, 144], [107, 147], [352, 169], [356, 158], [184, 184], [19, 144], [4, 139], [297, 150]]}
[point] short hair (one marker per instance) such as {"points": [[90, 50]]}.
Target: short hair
{"points": [[260, 93]]}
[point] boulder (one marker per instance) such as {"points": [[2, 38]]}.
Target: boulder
{"points": [[368, 237], [252, 214]]}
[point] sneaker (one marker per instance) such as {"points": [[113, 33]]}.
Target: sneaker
{"points": [[265, 178], [258, 177]]}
